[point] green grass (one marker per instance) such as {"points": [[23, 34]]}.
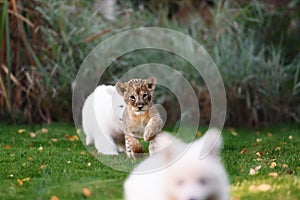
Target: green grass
{"points": [[62, 168]]}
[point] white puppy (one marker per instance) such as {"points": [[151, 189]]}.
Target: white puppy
{"points": [[184, 174], [102, 120]]}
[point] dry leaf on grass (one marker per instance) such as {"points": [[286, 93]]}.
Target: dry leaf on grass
{"points": [[257, 168], [277, 149], [21, 131], [71, 138], [259, 154], [26, 179], [260, 188], [289, 171], [234, 133], [274, 174], [243, 151], [32, 135], [54, 197], [7, 146], [273, 165], [270, 134], [258, 139], [199, 134], [44, 130], [54, 139], [86, 192], [20, 182], [254, 171], [74, 138], [42, 167], [284, 166]]}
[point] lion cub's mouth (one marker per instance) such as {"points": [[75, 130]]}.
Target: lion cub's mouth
{"points": [[139, 109]]}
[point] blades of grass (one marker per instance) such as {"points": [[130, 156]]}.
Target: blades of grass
{"points": [[35, 58], [24, 19], [7, 35], [4, 94], [2, 22]]}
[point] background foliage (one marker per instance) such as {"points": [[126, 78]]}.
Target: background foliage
{"points": [[254, 43]]}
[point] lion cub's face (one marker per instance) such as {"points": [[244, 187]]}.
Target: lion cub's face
{"points": [[137, 93]]}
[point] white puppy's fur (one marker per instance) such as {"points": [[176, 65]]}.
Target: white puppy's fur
{"points": [[102, 119], [185, 174]]}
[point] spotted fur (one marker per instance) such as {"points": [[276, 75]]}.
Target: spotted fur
{"points": [[141, 119]]}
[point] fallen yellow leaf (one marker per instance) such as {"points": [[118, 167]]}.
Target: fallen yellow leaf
{"points": [[42, 167], [86, 192], [257, 167], [54, 197], [284, 166], [273, 164], [274, 174], [270, 134], [252, 172], [32, 134], [233, 133], [259, 153], [258, 140], [20, 182], [243, 151], [54, 139], [74, 138], [199, 134], [21, 130], [44, 130], [260, 188], [26, 179]]}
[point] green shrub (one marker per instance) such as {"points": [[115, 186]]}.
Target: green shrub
{"points": [[261, 75]]}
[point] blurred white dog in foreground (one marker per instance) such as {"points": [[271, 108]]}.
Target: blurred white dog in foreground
{"points": [[183, 173], [102, 120]]}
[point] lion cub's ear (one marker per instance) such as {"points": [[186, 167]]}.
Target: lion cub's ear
{"points": [[151, 83], [121, 88]]}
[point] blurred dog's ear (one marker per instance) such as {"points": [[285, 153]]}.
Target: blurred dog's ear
{"points": [[151, 83], [167, 146], [209, 145], [121, 88]]}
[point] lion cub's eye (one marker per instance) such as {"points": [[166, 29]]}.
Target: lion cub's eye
{"points": [[132, 97], [145, 96]]}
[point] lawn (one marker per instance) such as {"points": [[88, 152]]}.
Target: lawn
{"points": [[50, 162]]}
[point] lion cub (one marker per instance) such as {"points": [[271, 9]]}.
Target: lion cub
{"points": [[141, 119]]}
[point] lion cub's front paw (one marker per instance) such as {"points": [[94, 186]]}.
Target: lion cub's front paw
{"points": [[133, 147], [150, 133]]}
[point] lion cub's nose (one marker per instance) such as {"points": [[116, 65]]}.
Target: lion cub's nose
{"points": [[140, 106]]}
